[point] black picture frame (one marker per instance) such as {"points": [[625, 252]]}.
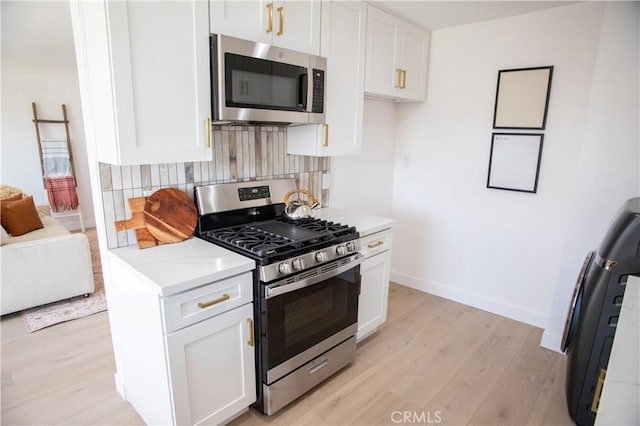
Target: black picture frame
{"points": [[514, 161], [522, 98]]}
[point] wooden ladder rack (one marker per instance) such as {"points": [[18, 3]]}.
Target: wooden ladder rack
{"points": [[37, 122]]}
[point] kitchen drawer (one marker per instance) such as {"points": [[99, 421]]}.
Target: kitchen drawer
{"points": [[375, 243], [206, 301]]}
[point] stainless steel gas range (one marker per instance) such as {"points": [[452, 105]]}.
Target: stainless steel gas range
{"points": [[306, 284]]}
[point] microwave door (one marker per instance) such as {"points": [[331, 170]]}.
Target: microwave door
{"points": [[303, 92]]}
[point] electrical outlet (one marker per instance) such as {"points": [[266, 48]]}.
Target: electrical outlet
{"points": [[147, 192]]}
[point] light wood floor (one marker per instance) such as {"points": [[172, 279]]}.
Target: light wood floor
{"points": [[435, 360]]}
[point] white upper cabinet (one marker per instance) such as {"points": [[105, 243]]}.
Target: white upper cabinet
{"points": [[397, 58], [143, 69], [343, 44], [290, 24]]}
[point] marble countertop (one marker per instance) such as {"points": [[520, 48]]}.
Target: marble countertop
{"points": [[364, 223], [620, 400], [172, 268]]}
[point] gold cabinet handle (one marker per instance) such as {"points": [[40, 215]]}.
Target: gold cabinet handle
{"points": [[207, 131], [374, 245], [281, 28], [598, 393], [326, 136], [250, 322], [399, 78], [270, 27], [404, 79], [222, 298]]}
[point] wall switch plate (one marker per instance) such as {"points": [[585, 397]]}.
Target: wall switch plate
{"points": [[326, 180]]}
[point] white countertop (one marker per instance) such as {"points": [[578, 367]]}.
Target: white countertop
{"points": [[172, 268], [620, 400], [364, 223]]}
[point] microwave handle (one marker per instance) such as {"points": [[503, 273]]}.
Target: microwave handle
{"points": [[303, 84]]}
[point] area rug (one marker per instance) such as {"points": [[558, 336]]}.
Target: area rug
{"points": [[76, 307]]}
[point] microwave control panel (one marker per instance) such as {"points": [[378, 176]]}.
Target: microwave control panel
{"points": [[318, 91]]}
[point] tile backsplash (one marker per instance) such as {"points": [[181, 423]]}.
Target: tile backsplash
{"points": [[240, 153]]}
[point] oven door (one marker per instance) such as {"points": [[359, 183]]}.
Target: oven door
{"points": [[304, 316]]}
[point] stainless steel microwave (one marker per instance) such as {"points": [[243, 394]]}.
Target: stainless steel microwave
{"points": [[260, 83]]}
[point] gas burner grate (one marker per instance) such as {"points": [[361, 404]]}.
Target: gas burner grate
{"points": [[320, 225], [246, 237], [279, 237]]}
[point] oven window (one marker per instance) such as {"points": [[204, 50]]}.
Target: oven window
{"points": [[308, 316], [300, 319], [259, 83]]}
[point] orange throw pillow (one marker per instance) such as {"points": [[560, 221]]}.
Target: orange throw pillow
{"points": [[20, 216]]}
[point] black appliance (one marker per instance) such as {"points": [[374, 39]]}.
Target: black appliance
{"points": [[594, 311], [257, 82], [306, 284]]}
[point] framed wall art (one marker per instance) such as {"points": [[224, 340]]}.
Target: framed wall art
{"points": [[522, 98], [514, 163]]}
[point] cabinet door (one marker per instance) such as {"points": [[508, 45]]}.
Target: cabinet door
{"points": [[374, 293], [211, 368], [397, 56], [413, 52], [243, 19], [143, 69], [382, 77], [164, 95], [296, 25], [290, 24], [343, 44]]}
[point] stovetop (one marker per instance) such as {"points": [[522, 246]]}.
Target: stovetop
{"points": [[280, 238]]}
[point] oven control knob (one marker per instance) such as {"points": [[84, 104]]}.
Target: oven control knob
{"points": [[297, 264], [321, 256], [284, 268], [351, 246], [340, 250]]}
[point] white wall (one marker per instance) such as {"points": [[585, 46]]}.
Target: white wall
{"points": [[365, 182], [610, 146], [34, 70], [503, 251]]}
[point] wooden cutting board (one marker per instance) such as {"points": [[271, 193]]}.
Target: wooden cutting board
{"points": [[143, 236], [170, 215]]}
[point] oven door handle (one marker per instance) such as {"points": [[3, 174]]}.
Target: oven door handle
{"points": [[277, 289]]}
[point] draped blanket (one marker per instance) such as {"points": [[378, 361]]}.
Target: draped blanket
{"points": [[58, 177], [62, 194]]}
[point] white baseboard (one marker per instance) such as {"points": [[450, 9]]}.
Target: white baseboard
{"points": [[120, 385], [477, 300], [551, 341]]}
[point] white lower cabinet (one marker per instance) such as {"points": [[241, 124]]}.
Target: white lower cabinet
{"points": [[187, 358], [374, 288], [211, 368]]}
